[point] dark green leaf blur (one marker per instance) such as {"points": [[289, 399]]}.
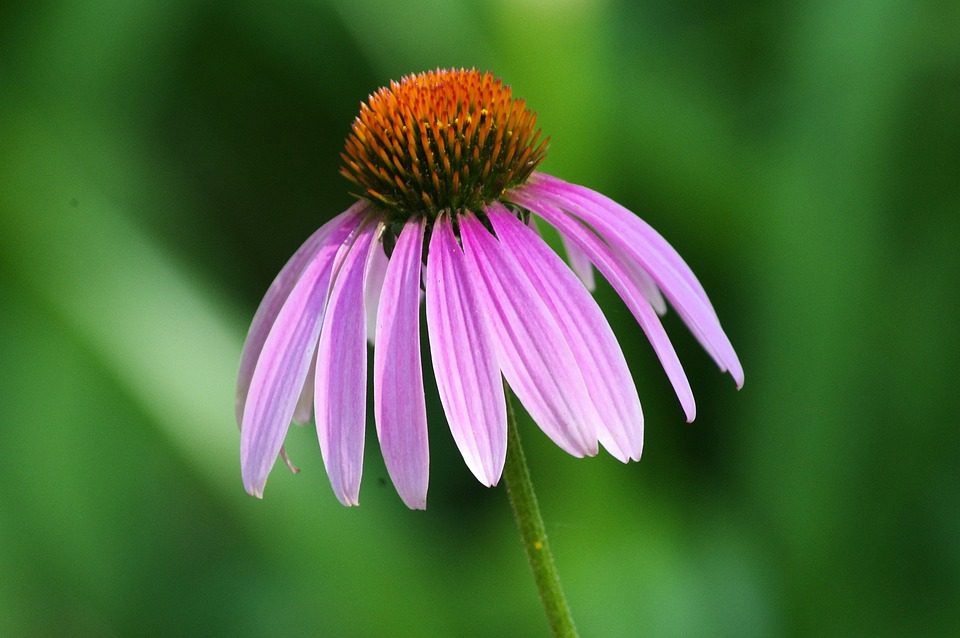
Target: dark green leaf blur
{"points": [[160, 161]]}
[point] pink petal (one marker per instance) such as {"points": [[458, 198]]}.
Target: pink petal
{"points": [[579, 263], [340, 400], [612, 265], [628, 217], [283, 363], [643, 282], [530, 346], [277, 293], [461, 348], [625, 231], [401, 413], [304, 409], [376, 270], [586, 332]]}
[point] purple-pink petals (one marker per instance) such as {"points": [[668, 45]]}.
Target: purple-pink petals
{"points": [[499, 305], [401, 414], [464, 362]]}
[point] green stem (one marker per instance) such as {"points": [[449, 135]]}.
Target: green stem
{"points": [[526, 511]]}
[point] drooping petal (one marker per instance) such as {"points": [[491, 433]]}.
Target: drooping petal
{"points": [[376, 269], [304, 409], [612, 265], [580, 264], [399, 405], [631, 219], [638, 228], [468, 379], [283, 363], [531, 349], [644, 282], [586, 332], [625, 231], [340, 404], [276, 294]]}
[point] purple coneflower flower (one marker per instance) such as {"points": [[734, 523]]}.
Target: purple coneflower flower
{"points": [[448, 203]]}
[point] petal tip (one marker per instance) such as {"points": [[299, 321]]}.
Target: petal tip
{"points": [[254, 490], [620, 455], [485, 475], [416, 503], [351, 499], [493, 478], [626, 455], [251, 482], [737, 376], [415, 499], [490, 479]]}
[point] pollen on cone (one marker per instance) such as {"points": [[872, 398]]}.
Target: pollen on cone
{"points": [[444, 139]]}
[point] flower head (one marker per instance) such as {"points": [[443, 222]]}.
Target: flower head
{"points": [[448, 203], [441, 140]]}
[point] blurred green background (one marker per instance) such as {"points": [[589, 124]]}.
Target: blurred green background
{"points": [[160, 161]]}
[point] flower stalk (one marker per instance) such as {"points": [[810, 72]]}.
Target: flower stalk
{"points": [[526, 512]]}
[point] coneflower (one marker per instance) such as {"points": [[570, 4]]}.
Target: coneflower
{"points": [[443, 165]]}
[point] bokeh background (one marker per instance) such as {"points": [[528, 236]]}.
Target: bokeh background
{"points": [[160, 161]]}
